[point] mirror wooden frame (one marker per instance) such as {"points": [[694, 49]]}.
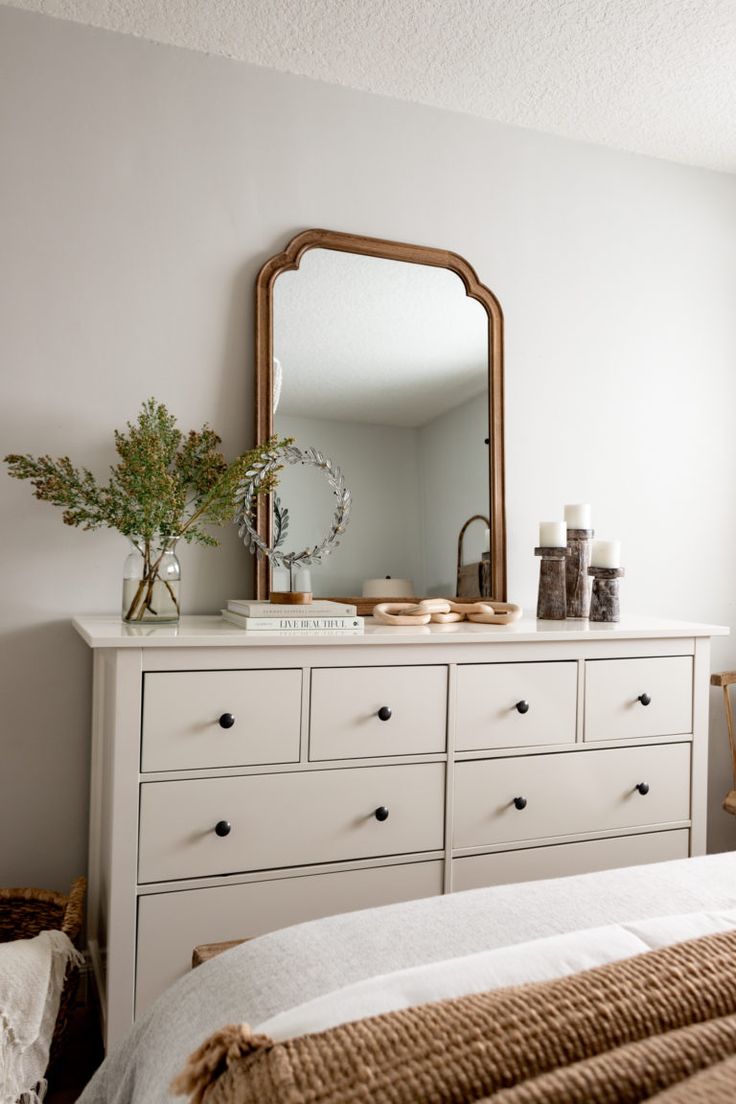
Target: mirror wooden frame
{"points": [[392, 251]]}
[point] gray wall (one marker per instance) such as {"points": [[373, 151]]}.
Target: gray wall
{"points": [[143, 186]]}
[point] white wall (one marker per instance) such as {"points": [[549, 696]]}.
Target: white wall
{"points": [[143, 186]]}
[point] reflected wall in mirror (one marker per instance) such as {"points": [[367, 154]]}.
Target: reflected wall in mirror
{"points": [[387, 358]]}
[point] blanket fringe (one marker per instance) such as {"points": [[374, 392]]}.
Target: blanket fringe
{"points": [[214, 1056], [37, 1095], [10, 1073]]}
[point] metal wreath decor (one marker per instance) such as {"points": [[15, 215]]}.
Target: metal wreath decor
{"points": [[245, 516]]}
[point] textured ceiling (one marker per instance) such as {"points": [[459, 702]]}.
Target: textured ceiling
{"points": [[362, 339], [652, 76]]}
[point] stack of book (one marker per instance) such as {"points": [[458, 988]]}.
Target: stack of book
{"points": [[321, 616]]}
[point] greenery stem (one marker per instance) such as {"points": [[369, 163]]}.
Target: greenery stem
{"points": [[140, 604]]}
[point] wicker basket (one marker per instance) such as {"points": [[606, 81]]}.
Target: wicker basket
{"points": [[25, 913]]}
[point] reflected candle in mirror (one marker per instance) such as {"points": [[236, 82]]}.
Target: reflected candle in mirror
{"points": [[552, 534], [606, 554], [578, 517], [487, 541]]}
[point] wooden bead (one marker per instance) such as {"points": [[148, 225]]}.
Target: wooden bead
{"points": [[400, 613]]}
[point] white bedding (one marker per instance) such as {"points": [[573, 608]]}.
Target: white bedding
{"points": [[262, 979], [539, 960]]}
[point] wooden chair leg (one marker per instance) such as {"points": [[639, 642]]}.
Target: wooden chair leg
{"points": [[730, 802], [726, 679]]}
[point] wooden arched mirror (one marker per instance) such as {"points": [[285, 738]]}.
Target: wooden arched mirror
{"points": [[387, 357]]}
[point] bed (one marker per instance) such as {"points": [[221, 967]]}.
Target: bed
{"points": [[284, 980]]}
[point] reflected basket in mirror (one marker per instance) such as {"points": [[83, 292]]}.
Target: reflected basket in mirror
{"points": [[474, 579]]}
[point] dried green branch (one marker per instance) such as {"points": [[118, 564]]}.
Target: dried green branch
{"points": [[164, 485]]}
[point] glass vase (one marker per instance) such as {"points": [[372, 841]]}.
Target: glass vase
{"points": [[151, 577]]}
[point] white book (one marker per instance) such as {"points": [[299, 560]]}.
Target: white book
{"points": [[321, 608], [298, 624]]}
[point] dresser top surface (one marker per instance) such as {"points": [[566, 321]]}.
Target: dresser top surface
{"points": [[107, 631]]}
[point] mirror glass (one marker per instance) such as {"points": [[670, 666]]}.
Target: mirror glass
{"points": [[383, 366]]}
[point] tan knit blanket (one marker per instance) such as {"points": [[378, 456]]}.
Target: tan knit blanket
{"points": [[660, 1026]]}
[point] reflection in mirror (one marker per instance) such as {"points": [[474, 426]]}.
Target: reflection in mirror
{"points": [[384, 366]]}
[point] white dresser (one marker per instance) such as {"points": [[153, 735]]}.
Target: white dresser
{"points": [[244, 782]]}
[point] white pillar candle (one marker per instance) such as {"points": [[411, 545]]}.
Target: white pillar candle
{"points": [[487, 541], [606, 554], [578, 517], [552, 534]]}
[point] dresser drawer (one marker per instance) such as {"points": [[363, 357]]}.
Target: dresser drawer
{"points": [[570, 793], [170, 925], [196, 719], [288, 819], [616, 690], [503, 705], [563, 859], [348, 704]]}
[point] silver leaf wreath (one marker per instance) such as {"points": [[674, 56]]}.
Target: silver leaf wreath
{"points": [[245, 498]]}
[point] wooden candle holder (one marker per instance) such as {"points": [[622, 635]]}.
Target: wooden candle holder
{"points": [[291, 598], [552, 597], [605, 602], [579, 583]]}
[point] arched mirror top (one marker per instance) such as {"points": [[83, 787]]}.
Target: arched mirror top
{"points": [[389, 358]]}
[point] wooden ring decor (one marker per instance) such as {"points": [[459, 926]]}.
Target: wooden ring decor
{"points": [[441, 611], [401, 613], [288, 261], [246, 513]]}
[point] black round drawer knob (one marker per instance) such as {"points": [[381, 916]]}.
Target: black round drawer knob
{"points": [[223, 828], [520, 803], [384, 713], [644, 699], [226, 720], [381, 813], [643, 788], [522, 707]]}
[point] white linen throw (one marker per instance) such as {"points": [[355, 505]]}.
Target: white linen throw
{"points": [[32, 973]]}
